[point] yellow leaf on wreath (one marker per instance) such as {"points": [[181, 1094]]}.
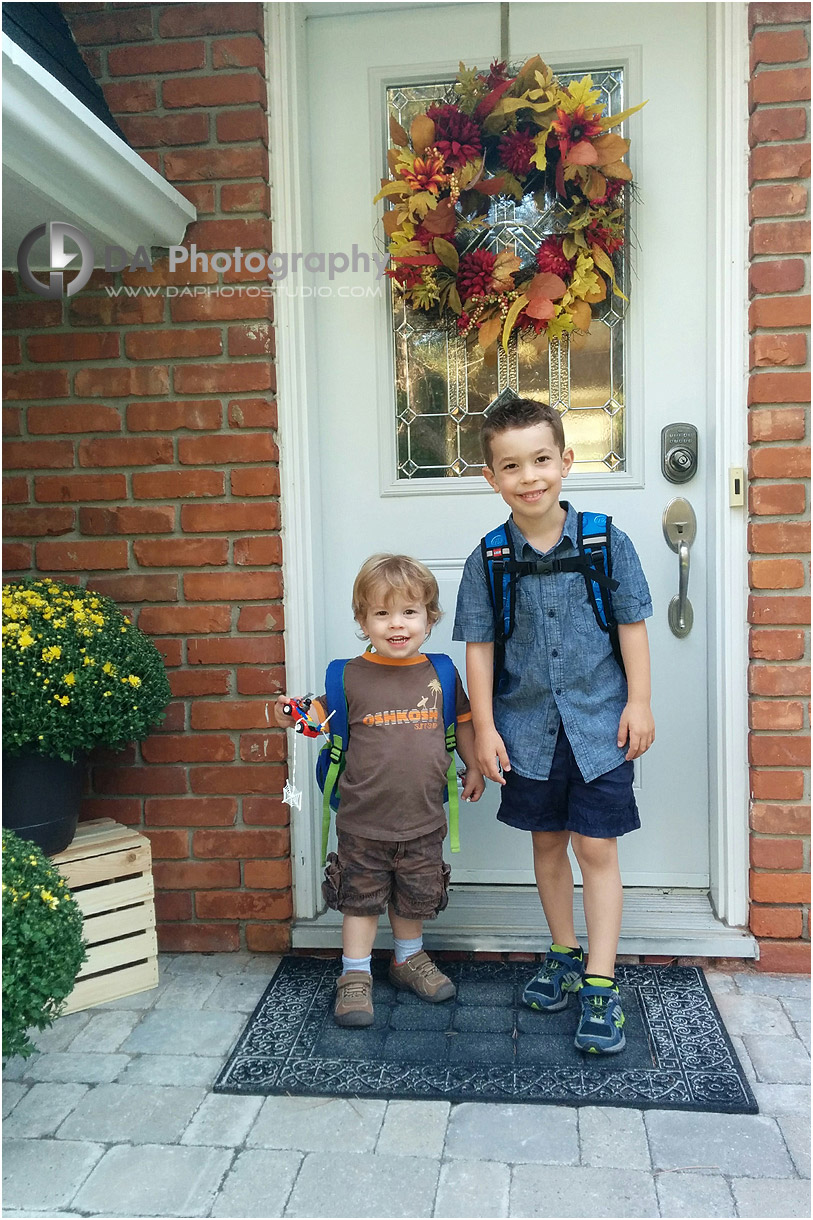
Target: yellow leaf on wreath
{"points": [[471, 172], [454, 300], [582, 93], [613, 120], [617, 169], [596, 185], [397, 133], [581, 314], [528, 72], [447, 253], [540, 157], [610, 147], [392, 188], [508, 105], [569, 247], [422, 132], [599, 293], [489, 332], [506, 261], [602, 260], [511, 317]]}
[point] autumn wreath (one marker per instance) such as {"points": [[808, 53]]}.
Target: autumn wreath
{"points": [[507, 137]]}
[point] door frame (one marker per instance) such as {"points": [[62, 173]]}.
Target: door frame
{"points": [[727, 244]]}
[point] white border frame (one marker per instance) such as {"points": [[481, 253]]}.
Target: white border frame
{"points": [[727, 312]]}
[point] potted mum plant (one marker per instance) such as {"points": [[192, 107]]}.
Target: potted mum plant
{"points": [[42, 943], [76, 674]]}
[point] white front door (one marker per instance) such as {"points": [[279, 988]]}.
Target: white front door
{"points": [[362, 506]]}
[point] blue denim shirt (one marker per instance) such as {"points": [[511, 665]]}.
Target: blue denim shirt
{"points": [[559, 664]]}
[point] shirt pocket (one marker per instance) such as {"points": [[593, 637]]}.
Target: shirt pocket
{"points": [[580, 608]]}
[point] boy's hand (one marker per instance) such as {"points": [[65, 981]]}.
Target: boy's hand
{"points": [[637, 726], [473, 784], [283, 719], [491, 755]]}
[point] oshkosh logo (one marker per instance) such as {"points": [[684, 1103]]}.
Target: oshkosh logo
{"points": [[413, 715]]}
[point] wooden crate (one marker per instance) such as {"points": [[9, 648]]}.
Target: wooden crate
{"points": [[109, 870]]}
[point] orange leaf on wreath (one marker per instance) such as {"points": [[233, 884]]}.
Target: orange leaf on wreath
{"points": [[599, 293], [489, 332], [397, 134], [392, 222], [617, 169], [581, 314], [596, 185], [582, 153], [441, 219], [610, 147], [490, 186], [393, 157], [541, 308], [422, 132], [546, 284]]}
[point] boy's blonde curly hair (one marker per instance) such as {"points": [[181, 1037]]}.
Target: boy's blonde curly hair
{"points": [[382, 577]]}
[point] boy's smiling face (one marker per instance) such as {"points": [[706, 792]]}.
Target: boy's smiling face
{"points": [[396, 628], [527, 470]]}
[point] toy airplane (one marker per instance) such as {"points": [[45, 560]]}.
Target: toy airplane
{"points": [[305, 722]]}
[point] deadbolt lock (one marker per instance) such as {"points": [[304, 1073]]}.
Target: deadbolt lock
{"points": [[679, 452]]}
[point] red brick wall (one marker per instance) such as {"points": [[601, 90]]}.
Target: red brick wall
{"points": [[779, 507], [141, 457]]}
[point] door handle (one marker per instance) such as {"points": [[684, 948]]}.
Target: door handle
{"points": [[680, 530]]}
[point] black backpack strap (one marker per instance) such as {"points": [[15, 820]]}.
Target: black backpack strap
{"points": [[595, 550], [497, 550]]}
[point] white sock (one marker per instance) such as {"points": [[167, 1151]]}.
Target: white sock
{"points": [[406, 948], [356, 963]]}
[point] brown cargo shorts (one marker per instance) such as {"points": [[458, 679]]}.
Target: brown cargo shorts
{"points": [[368, 875]]}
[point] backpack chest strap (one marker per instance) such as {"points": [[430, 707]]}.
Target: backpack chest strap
{"points": [[587, 566]]}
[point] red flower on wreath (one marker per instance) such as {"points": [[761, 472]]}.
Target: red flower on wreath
{"points": [[496, 73], [549, 257], [426, 173], [457, 137], [614, 188], [405, 275], [475, 275], [571, 129], [609, 240], [516, 150]]}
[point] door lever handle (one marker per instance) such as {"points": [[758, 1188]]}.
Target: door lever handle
{"points": [[680, 530]]}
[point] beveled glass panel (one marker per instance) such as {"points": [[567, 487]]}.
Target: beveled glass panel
{"points": [[444, 384]]}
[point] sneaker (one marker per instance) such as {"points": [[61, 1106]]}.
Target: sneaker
{"points": [[549, 990], [601, 1025], [420, 974], [354, 999]]}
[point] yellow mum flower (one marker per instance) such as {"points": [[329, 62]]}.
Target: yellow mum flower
{"points": [[52, 654], [26, 639], [133, 680], [62, 700], [69, 679], [87, 660], [107, 668]]}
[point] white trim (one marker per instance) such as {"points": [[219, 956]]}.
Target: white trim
{"points": [[301, 548], [728, 336], [727, 303], [61, 162]]}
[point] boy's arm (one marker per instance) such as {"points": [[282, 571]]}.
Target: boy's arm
{"points": [[473, 783], [636, 724], [489, 749]]}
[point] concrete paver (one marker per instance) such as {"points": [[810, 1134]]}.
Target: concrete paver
{"points": [[258, 1183], [543, 1190], [154, 1181], [142, 1068], [693, 1194]]}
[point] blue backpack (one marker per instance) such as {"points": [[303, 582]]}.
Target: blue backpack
{"points": [[594, 561], [331, 759]]}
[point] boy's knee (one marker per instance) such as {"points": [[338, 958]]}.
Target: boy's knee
{"points": [[547, 843], [594, 853]]}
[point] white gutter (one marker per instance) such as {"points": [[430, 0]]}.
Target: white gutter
{"points": [[60, 162]]}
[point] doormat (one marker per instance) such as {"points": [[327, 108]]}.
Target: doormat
{"points": [[485, 1045]]}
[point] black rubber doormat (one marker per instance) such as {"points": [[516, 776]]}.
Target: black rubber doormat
{"points": [[485, 1045]]}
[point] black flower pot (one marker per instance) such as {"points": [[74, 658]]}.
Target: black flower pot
{"points": [[41, 798]]}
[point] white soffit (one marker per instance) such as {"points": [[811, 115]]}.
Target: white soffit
{"points": [[60, 162]]}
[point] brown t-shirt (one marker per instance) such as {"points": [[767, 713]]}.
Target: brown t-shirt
{"points": [[396, 764]]}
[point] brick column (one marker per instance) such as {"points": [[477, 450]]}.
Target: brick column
{"points": [[144, 463], [779, 466]]}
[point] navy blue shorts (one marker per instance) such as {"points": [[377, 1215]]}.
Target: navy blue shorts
{"points": [[603, 809]]}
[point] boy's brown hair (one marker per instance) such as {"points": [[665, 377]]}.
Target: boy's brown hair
{"points": [[383, 576], [519, 413]]}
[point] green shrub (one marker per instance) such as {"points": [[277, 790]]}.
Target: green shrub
{"points": [[42, 943], [76, 672]]}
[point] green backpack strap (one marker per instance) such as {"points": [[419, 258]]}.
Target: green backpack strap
{"points": [[447, 675], [336, 751]]}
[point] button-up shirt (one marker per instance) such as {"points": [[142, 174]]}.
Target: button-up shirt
{"points": [[559, 664]]}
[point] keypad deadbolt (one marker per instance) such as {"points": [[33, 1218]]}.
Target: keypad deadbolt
{"points": [[679, 452]]}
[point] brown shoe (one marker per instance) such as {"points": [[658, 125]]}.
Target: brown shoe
{"points": [[420, 974], [354, 999]]}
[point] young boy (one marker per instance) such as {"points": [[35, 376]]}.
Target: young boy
{"points": [[562, 730], [391, 822]]}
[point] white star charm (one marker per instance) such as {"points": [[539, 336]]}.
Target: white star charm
{"points": [[291, 797]]}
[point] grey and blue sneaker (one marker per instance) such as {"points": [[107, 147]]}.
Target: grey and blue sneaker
{"points": [[561, 973], [601, 1025]]}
